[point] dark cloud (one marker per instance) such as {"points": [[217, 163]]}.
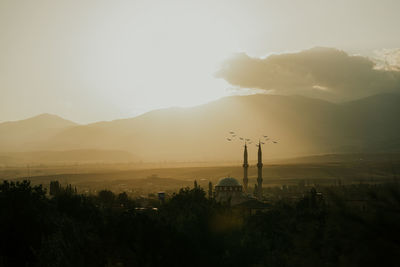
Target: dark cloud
{"points": [[319, 72]]}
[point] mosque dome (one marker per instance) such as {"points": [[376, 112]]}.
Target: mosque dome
{"points": [[229, 190], [228, 181]]}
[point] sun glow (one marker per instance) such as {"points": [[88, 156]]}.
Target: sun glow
{"points": [[164, 56], [125, 57], [122, 57]]}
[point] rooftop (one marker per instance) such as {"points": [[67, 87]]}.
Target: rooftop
{"points": [[228, 181]]}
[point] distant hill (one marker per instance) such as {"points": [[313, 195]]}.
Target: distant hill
{"points": [[302, 126], [29, 133], [344, 157], [66, 157]]}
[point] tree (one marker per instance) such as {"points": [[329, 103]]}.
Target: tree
{"points": [[106, 198]]}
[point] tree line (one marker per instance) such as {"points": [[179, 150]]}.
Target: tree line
{"points": [[190, 229]]}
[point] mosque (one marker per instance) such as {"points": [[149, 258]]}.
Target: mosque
{"points": [[230, 190]]}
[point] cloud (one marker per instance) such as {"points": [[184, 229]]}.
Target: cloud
{"points": [[326, 73]]}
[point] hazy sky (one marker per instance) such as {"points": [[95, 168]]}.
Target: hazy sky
{"points": [[91, 60]]}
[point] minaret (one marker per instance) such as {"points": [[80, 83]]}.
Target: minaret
{"points": [[245, 167], [259, 167]]}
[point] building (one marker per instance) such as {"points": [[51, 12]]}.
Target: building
{"points": [[230, 190], [245, 168], [259, 191]]}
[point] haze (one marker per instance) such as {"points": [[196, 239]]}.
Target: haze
{"points": [[199, 133], [101, 60]]}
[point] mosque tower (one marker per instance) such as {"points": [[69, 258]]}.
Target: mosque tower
{"points": [[245, 167], [259, 167]]}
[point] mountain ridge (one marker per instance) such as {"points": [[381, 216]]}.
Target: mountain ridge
{"points": [[41, 118], [301, 125]]}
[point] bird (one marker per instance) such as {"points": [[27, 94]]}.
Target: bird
{"points": [[228, 139], [241, 138], [275, 142], [231, 132]]}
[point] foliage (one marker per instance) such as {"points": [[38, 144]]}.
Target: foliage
{"points": [[189, 229]]}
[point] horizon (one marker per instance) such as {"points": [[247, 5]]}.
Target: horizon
{"points": [[188, 107]]}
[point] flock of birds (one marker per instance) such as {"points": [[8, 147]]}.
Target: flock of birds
{"points": [[265, 138]]}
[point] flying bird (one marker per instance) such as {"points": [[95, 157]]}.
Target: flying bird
{"points": [[275, 142], [241, 138], [231, 132], [228, 139]]}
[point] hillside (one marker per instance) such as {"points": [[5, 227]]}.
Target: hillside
{"points": [[302, 126], [29, 133], [66, 157]]}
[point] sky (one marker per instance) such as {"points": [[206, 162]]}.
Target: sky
{"points": [[94, 60]]}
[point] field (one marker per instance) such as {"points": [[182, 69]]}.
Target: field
{"points": [[144, 179]]}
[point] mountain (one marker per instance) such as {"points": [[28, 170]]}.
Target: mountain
{"points": [[66, 157], [302, 126], [27, 134]]}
